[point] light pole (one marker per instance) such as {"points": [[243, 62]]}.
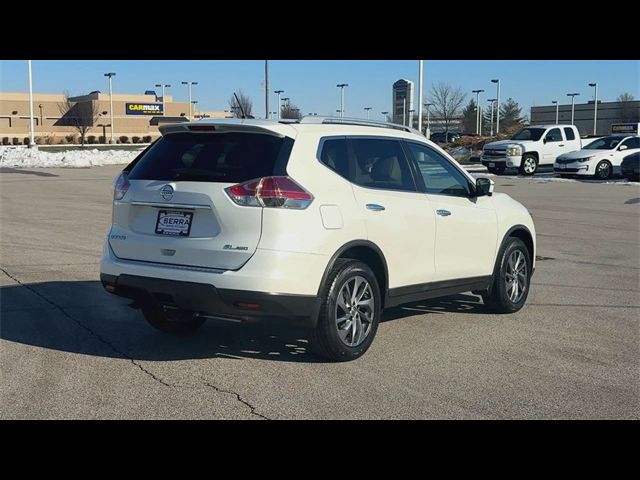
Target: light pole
{"points": [[428, 131], [341, 87], [420, 94], [195, 108], [497, 80], [573, 96], [163, 102], [190, 84], [278, 92], [266, 89], [385, 115], [411, 111], [40, 107], [404, 111], [595, 106], [491, 100], [110, 74], [367, 110], [31, 140], [477, 92], [555, 102]]}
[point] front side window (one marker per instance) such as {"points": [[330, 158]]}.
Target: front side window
{"points": [[438, 173], [380, 163], [554, 135]]}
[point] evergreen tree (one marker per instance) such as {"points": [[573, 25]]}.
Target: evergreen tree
{"points": [[469, 117], [510, 114]]}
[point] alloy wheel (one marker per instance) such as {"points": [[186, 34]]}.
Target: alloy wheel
{"points": [[516, 276], [355, 308]]}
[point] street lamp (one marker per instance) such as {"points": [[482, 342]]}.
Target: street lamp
{"points": [[595, 106], [555, 102], [411, 110], [163, 102], [428, 131], [110, 74], [404, 111], [491, 100], [195, 108], [189, 84], [385, 115], [497, 80], [478, 92], [341, 87], [40, 107], [278, 92], [31, 140], [367, 110], [572, 95]]}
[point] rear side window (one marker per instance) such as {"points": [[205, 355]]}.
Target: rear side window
{"points": [[213, 157], [334, 155], [568, 132], [381, 163]]}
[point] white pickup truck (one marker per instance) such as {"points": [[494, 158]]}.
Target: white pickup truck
{"points": [[531, 147]]}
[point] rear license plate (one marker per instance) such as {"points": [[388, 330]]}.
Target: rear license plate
{"points": [[174, 222], [492, 164]]}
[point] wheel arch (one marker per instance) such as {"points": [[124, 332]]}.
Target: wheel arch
{"points": [[524, 234], [367, 252]]}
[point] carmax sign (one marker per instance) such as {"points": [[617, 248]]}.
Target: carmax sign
{"points": [[143, 109]]}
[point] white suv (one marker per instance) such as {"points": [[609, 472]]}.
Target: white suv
{"points": [[322, 222]]}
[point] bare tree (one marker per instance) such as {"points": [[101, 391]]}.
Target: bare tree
{"points": [[245, 102], [447, 101], [625, 97], [79, 115], [290, 110]]}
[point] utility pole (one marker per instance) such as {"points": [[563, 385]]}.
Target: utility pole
{"points": [[110, 74], [266, 89], [31, 140], [341, 87]]}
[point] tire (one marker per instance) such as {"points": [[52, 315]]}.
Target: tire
{"points": [[501, 298], [335, 337], [603, 171], [529, 165], [496, 170], [178, 322]]}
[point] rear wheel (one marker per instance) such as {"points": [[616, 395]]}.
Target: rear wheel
{"points": [[603, 170], [350, 312], [510, 287], [529, 164], [171, 322]]}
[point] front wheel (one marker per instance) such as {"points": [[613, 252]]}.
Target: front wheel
{"points": [[603, 170], [529, 165], [511, 282], [350, 312]]}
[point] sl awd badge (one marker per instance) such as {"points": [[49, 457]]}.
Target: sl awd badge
{"points": [[231, 247], [167, 192]]}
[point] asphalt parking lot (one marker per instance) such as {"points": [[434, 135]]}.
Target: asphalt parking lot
{"points": [[70, 350]]}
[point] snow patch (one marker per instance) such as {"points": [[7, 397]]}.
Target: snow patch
{"points": [[18, 157]]}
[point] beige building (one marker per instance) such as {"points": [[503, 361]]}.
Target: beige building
{"points": [[133, 115]]}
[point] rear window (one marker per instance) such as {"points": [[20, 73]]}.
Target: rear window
{"points": [[213, 157], [568, 132]]}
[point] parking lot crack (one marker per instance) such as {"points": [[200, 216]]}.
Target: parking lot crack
{"points": [[88, 329], [239, 398]]}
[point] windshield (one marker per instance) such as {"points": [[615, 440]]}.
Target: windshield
{"points": [[528, 134], [604, 143]]}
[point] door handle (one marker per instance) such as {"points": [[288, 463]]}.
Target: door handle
{"points": [[375, 207], [561, 145], [443, 213]]}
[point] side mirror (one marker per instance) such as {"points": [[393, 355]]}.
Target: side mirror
{"points": [[484, 187], [622, 147]]}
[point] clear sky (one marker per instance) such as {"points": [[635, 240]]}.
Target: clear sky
{"points": [[311, 84]]}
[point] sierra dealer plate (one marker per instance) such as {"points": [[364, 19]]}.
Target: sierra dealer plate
{"points": [[174, 222]]}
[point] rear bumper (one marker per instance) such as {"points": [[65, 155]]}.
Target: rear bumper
{"points": [[206, 299]]}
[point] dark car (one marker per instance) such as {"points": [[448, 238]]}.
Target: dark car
{"points": [[630, 166], [444, 137]]}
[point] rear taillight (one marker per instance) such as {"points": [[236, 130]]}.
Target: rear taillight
{"points": [[273, 192], [120, 186]]}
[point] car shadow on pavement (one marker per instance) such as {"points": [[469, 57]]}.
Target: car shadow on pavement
{"points": [[80, 317]]}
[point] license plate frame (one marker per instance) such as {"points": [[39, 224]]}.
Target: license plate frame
{"points": [[179, 229]]}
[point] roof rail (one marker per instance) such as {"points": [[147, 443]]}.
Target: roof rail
{"points": [[356, 121]]}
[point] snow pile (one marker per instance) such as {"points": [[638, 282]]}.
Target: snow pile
{"points": [[34, 158]]}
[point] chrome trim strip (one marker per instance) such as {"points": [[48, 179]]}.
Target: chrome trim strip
{"points": [[190, 206]]}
